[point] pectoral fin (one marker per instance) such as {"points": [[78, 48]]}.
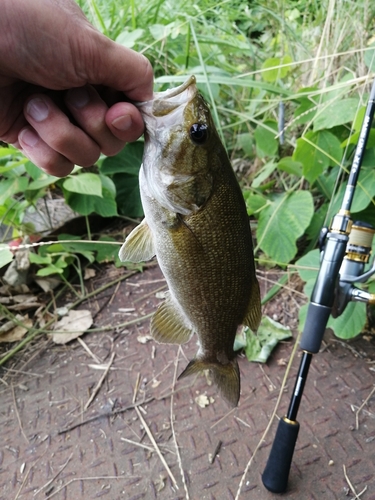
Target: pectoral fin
{"points": [[168, 325], [226, 377], [254, 313], [139, 245]]}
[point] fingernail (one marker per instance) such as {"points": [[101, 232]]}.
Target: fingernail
{"points": [[37, 109], [122, 123], [78, 97], [29, 137]]}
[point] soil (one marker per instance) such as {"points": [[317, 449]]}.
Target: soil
{"points": [[104, 416]]}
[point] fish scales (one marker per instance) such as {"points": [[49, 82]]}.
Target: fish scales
{"points": [[197, 225]]}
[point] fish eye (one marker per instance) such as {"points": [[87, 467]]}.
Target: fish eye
{"points": [[199, 133]]}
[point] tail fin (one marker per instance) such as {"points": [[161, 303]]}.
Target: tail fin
{"points": [[226, 377]]}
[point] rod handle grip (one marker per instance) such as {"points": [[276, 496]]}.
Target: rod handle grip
{"points": [[276, 473]]}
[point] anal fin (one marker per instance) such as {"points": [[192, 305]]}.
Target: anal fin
{"points": [[168, 325], [139, 245]]}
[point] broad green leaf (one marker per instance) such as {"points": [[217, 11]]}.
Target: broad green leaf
{"points": [[6, 256], [129, 38], [308, 267], [128, 197], [258, 347], [127, 161], [273, 70], [308, 105], [87, 183], [336, 113], [86, 204], [282, 222], [109, 187], [265, 139], [43, 260], [263, 174], [317, 151], [288, 165], [42, 182], [364, 193], [10, 187], [246, 142], [351, 322], [51, 269], [254, 202]]}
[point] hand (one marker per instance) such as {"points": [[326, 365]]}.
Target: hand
{"points": [[63, 86]]}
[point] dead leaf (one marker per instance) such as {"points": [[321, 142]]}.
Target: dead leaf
{"points": [[12, 332], [89, 273], [202, 400], [72, 326], [143, 339], [47, 283]]}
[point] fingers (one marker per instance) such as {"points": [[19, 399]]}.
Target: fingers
{"points": [[56, 144], [53, 136], [110, 128]]}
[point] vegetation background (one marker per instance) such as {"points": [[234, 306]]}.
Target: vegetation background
{"points": [[287, 82]]}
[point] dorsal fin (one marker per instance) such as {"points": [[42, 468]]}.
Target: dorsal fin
{"points": [[139, 245]]}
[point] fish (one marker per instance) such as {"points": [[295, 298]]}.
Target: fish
{"points": [[197, 225]]}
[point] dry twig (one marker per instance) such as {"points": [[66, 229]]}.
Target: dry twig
{"points": [[151, 437], [100, 383], [356, 495], [18, 415], [361, 408]]}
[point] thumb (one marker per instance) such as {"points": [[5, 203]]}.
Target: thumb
{"points": [[117, 67]]}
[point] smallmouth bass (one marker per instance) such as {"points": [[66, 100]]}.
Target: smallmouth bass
{"points": [[197, 226]]}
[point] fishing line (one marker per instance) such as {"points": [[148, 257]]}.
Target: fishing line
{"points": [[343, 170]]}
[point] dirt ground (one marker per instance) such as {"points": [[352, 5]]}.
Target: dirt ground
{"points": [[105, 417]]}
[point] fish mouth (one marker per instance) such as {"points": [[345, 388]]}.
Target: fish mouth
{"points": [[164, 103]]}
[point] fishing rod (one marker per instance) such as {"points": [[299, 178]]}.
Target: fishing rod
{"points": [[345, 249]]}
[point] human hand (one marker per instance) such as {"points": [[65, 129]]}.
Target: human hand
{"points": [[63, 86]]}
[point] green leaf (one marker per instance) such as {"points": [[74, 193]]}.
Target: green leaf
{"points": [[265, 139], [369, 58], [288, 165], [273, 71], [85, 204], [263, 174], [51, 269], [246, 142], [308, 267], [254, 202], [42, 182], [87, 183], [10, 187], [128, 38], [128, 196], [6, 256], [282, 222], [316, 151], [336, 113], [259, 347], [43, 260], [308, 105], [127, 161], [351, 322]]}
